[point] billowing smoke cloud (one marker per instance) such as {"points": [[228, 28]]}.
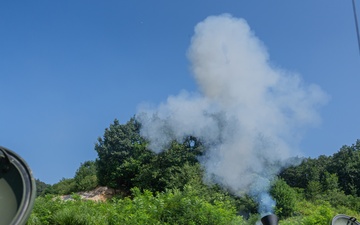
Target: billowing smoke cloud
{"points": [[249, 114]]}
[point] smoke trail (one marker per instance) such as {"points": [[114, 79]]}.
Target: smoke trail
{"points": [[249, 114]]}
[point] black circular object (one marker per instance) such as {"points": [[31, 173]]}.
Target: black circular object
{"points": [[342, 219], [17, 189], [270, 219]]}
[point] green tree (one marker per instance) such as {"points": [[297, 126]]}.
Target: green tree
{"points": [[285, 198], [172, 168], [41, 187], [121, 152], [85, 177], [313, 190], [125, 162], [346, 164], [330, 182], [308, 170]]}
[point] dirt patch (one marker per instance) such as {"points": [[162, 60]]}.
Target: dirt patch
{"points": [[98, 194]]}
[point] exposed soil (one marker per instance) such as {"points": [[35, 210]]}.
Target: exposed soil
{"points": [[98, 194]]}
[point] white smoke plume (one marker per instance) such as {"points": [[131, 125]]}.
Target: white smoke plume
{"points": [[249, 114]]}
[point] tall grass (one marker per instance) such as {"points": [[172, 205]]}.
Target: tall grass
{"points": [[171, 207]]}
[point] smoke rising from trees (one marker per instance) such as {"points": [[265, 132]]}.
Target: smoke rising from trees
{"points": [[248, 113]]}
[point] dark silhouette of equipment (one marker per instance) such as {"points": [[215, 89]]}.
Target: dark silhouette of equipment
{"points": [[271, 219], [342, 219], [17, 189]]}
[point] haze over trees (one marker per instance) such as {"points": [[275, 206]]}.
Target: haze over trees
{"points": [[169, 187]]}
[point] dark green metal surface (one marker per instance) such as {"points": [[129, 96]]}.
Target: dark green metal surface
{"points": [[17, 189]]}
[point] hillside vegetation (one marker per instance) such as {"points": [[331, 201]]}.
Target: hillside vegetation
{"points": [[168, 188]]}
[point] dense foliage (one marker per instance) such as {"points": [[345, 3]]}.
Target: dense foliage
{"points": [[41, 187], [124, 161], [334, 179], [169, 207], [85, 177], [168, 188]]}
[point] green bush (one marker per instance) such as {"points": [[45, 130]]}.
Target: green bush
{"points": [[285, 198], [174, 207], [321, 214], [43, 210], [170, 207]]}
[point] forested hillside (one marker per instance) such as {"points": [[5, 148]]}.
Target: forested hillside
{"points": [[169, 187]]}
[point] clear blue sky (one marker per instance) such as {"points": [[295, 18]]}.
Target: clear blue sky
{"points": [[69, 68]]}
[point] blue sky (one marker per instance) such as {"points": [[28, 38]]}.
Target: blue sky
{"points": [[69, 68]]}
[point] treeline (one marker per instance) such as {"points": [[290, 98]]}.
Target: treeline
{"points": [[85, 179], [335, 178], [170, 185]]}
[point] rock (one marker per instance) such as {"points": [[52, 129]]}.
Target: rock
{"points": [[98, 194]]}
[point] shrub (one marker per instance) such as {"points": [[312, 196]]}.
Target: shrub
{"points": [[285, 198], [322, 214], [169, 207]]}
